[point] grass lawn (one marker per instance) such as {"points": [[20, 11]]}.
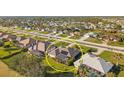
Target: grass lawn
{"points": [[8, 51], [4, 52], [40, 38], [5, 71], [44, 32], [121, 74], [84, 48], [58, 66], [120, 44], [113, 57], [63, 35], [10, 60], [58, 44], [94, 40], [75, 37], [51, 40]]}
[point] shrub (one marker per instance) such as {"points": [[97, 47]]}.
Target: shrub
{"points": [[25, 49], [70, 62], [92, 50], [1, 43], [7, 46]]}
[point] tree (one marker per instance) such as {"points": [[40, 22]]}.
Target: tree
{"points": [[29, 65], [1, 43]]}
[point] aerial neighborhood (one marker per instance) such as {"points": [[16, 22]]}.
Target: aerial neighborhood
{"points": [[62, 46]]}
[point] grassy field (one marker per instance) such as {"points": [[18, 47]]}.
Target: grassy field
{"points": [[8, 51], [121, 74], [10, 60], [51, 40], [44, 32], [75, 37], [58, 44], [113, 57], [94, 40], [63, 35], [5, 71], [120, 44], [40, 38]]}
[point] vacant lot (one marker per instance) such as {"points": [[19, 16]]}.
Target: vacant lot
{"points": [[7, 72], [121, 44], [94, 40], [64, 44]]}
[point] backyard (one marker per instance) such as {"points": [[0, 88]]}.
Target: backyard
{"points": [[115, 58], [8, 49], [54, 67]]}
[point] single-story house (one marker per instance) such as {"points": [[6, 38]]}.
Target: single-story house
{"points": [[90, 34], [96, 64]]}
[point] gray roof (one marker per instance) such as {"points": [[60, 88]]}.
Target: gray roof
{"points": [[61, 57], [55, 52], [69, 52], [96, 63], [73, 52]]}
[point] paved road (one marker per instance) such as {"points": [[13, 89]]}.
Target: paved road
{"points": [[84, 43], [89, 44]]}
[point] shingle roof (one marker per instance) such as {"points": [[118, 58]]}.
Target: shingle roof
{"points": [[61, 57], [42, 46], [55, 52], [28, 42], [73, 52], [96, 63], [69, 52]]}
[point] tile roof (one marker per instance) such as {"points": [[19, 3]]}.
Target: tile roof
{"points": [[96, 63]]}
